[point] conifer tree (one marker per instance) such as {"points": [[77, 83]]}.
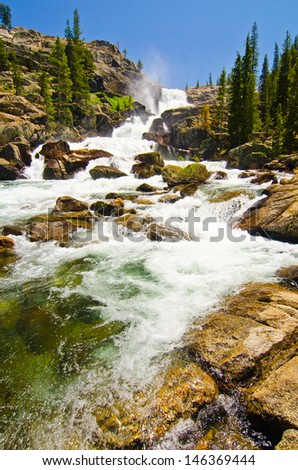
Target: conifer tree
{"points": [[291, 121], [221, 103], [62, 84], [5, 15], [249, 115], [4, 59], [45, 91], [254, 45], [140, 65], [17, 76], [210, 81], [235, 105], [278, 132], [283, 75], [264, 94]]}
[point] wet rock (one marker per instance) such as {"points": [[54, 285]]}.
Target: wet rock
{"points": [[186, 189], [12, 154], [54, 169], [150, 158], [134, 222], [251, 336], [12, 230], [249, 156], [159, 233], [276, 216], [264, 177], [113, 196], [46, 230], [289, 275], [172, 116], [169, 198], [146, 188], [228, 195], [106, 208], [276, 399], [283, 163], [8, 172], [144, 171], [195, 173], [6, 243], [69, 204], [289, 440], [139, 422], [188, 134], [109, 172], [24, 148], [51, 149], [144, 202], [220, 175]]}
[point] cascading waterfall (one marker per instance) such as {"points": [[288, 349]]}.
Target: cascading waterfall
{"points": [[86, 325]]}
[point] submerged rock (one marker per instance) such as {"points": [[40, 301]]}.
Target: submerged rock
{"points": [[146, 188], [169, 198], [159, 233]]}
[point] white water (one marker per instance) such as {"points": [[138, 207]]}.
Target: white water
{"points": [[185, 279]]}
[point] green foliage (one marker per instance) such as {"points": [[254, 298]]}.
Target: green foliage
{"points": [[4, 58], [140, 65], [291, 122], [221, 111], [210, 81], [45, 91], [113, 102], [62, 84], [235, 107], [278, 133], [17, 76], [5, 15], [264, 94]]}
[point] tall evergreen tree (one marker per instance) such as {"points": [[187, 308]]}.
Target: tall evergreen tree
{"points": [[80, 63], [62, 84], [235, 105], [5, 15], [45, 91], [17, 76], [221, 103], [264, 94], [291, 121], [210, 81], [4, 58], [249, 115], [254, 45], [283, 76], [278, 132]]}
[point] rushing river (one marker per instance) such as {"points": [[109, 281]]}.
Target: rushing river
{"points": [[85, 325]]}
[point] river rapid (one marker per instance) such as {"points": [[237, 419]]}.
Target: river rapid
{"points": [[87, 325]]}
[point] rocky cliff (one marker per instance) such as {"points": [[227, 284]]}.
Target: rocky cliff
{"points": [[114, 75]]}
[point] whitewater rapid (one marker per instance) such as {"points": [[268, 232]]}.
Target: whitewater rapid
{"points": [[157, 289]]}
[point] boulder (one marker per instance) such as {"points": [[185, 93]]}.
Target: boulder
{"points": [[276, 216], [6, 243], [24, 148], [252, 335], [264, 177], [51, 149], [283, 163], [172, 116], [150, 158], [230, 194], [195, 173], [220, 175], [289, 275], [8, 172], [146, 188], [275, 400], [169, 198], [109, 172], [12, 230], [159, 233], [143, 170], [249, 156], [69, 204], [186, 189], [187, 134], [54, 169], [12, 154], [106, 208]]}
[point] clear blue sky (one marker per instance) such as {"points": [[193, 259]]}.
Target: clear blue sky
{"points": [[179, 41]]}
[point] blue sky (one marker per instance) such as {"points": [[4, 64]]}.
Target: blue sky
{"points": [[178, 41]]}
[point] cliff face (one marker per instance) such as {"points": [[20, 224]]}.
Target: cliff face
{"points": [[114, 74]]}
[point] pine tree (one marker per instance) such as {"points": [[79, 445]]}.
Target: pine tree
{"points": [[81, 66], [4, 58], [5, 15], [140, 65], [273, 84], [198, 83], [264, 94], [221, 103], [45, 91], [291, 122], [206, 118], [254, 45], [61, 84], [210, 81], [249, 115], [283, 76], [17, 76], [235, 104], [278, 133]]}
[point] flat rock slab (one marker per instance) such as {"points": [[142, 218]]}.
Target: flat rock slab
{"points": [[253, 334], [277, 396]]}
